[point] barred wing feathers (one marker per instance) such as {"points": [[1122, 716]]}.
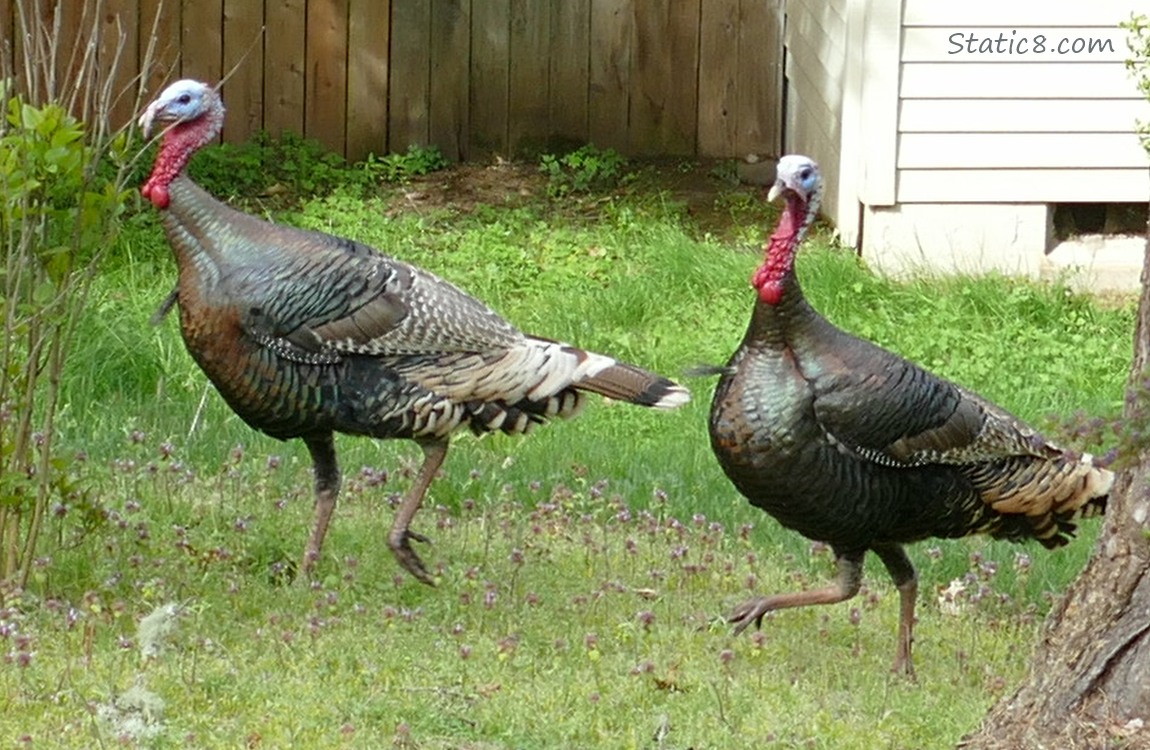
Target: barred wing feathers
{"points": [[899, 415]]}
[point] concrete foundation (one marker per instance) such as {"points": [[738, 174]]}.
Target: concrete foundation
{"points": [[1013, 239]]}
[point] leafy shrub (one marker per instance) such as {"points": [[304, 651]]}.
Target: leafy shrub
{"points": [[60, 212], [290, 164], [583, 170]]}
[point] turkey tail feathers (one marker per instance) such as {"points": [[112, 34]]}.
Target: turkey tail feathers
{"points": [[624, 382], [1040, 498], [607, 376], [707, 370]]}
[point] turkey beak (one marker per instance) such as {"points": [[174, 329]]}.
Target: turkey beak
{"points": [[775, 191], [146, 119], [151, 117]]}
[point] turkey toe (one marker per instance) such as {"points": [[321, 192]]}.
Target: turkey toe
{"points": [[400, 544], [748, 612], [417, 537]]}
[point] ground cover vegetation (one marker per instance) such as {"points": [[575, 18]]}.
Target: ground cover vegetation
{"points": [[585, 569]]}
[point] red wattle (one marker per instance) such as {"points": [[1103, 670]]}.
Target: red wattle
{"points": [[156, 192], [760, 276], [780, 253], [771, 292], [178, 145]]}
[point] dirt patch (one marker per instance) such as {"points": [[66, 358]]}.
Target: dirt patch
{"points": [[707, 192], [464, 186]]}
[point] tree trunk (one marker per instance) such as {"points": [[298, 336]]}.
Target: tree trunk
{"points": [[1089, 681]]}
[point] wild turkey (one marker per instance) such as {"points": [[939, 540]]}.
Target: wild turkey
{"points": [[854, 446], [305, 334]]}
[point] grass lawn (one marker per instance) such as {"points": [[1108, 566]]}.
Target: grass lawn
{"points": [[585, 570]]}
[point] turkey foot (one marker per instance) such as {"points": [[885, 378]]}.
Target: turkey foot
{"points": [[399, 540], [434, 451], [846, 585], [752, 610]]}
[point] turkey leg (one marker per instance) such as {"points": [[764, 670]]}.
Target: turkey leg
{"points": [[902, 573], [400, 536], [326, 469], [846, 585]]}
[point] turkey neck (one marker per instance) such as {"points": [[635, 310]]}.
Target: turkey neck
{"points": [[192, 218], [179, 143], [779, 298]]}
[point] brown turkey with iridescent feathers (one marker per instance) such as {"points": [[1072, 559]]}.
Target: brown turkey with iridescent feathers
{"points": [[852, 445], [305, 334]]}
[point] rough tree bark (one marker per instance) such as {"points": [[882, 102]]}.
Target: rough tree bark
{"points": [[1089, 681]]}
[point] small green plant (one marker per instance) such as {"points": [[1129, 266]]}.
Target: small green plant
{"points": [[583, 170], [725, 171], [399, 168]]}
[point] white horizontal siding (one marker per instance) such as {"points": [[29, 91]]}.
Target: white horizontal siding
{"points": [[979, 80], [983, 13], [1020, 150], [1023, 127], [983, 137], [1022, 185], [1022, 116], [1014, 44]]}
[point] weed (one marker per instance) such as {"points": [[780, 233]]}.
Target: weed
{"points": [[725, 171], [583, 170], [399, 168]]}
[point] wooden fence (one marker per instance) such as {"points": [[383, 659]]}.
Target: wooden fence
{"points": [[473, 77]]}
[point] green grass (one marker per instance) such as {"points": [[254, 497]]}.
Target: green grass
{"points": [[585, 569]]}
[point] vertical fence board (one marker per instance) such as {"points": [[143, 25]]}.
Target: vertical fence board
{"points": [[368, 43], [527, 112], [663, 95], [119, 42], [718, 71], [490, 66], [410, 74], [610, 65], [285, 35], [450, 51], [16, 51], [243, 67], [7, 40], [202, 40], [49, 45], [160, 30], [569, 75], [760, 77], [325, 102]]}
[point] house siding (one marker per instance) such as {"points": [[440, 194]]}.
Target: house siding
{"points": [[963, 154], [1021, 127]]}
